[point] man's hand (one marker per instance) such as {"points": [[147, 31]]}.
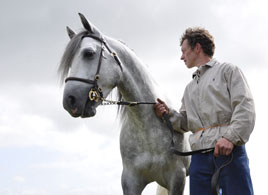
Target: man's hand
{"points": [[223, 147], [160, 108]]}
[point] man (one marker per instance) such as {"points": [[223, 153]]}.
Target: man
{"points": [[218, 108]]}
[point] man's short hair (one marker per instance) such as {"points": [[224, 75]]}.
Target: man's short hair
{"points": [[202, 36]]}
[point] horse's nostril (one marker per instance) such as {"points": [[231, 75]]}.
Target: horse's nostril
{"points": [[71, 101]]}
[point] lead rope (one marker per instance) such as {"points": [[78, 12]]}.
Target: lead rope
{"points": [[215, 177], [123, 103], [172, 147]]}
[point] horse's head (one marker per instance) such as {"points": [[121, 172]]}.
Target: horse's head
{"points": [[93, 70]]}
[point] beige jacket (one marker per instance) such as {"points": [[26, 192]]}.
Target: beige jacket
{"points": [[216, 103]]}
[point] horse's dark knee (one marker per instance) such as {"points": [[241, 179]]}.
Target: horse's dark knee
{"points": [[132, 184]]}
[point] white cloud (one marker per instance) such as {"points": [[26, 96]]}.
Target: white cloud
{"points": [[19, 179]]}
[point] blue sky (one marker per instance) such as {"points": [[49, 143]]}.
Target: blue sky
{"points": [[43, 150]]}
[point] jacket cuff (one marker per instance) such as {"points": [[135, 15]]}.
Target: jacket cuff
{"points": [[233, 137], [176, 120]]}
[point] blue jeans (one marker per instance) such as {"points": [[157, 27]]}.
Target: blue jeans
{"points": [[234, 179]]}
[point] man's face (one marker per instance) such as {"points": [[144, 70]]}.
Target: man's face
{"points": [[189, 55]]}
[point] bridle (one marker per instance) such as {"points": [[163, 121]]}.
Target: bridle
{"points": [[95, 93]]}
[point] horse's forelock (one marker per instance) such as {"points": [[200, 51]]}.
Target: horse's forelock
{"points": [[69, 54]]}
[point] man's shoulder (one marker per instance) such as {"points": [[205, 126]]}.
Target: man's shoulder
{"points": [[224, 66]]}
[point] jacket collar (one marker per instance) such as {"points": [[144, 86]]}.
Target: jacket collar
{"points": [[211, 63], [201, 69]]}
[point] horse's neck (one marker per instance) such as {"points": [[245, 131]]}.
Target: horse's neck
{"points": [[136, 84]]}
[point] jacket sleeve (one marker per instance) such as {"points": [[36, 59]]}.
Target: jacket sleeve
{"points": [[242, 104], [179, 119]]}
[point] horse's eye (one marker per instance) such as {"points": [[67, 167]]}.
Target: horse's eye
{"points": [[88, 53]]}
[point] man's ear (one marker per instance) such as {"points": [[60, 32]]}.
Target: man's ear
{"points": [[198, 48]]}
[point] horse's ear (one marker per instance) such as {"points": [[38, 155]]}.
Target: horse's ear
{"points": [[70, 32], [85, 23]]}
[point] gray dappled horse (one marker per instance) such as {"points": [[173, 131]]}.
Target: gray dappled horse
{"points": [[95, 64]]}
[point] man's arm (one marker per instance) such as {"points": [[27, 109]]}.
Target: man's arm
{"points": [[243, 117], [178, 120]]}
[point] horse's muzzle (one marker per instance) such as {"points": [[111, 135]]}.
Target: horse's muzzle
{"points": [[77, 110], [77, 102]]}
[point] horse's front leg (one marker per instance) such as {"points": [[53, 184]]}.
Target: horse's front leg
{"points": [[132, 183], [177, 182]]}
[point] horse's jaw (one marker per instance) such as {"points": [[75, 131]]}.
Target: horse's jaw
{"points": [[89, 112]]}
